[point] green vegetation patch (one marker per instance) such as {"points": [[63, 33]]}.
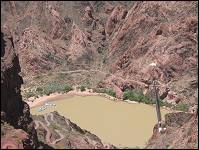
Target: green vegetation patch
{"points": [[136, 96], [82, 88], [107, 91], [162, 103], [61, 76], [29, 94], [182, 107], [48, 89], [139, 97], [55, 87]]}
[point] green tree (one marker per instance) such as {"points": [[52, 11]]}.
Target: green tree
{"points": [[82, 88]]}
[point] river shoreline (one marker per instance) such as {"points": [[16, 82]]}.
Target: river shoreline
{"points": [[105, 118], [34, 102]]}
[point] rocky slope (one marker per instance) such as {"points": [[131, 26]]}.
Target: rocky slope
{"points": [[164, 33], [54, 34], [118, 37], [16, 122], [17, 127], [61, 133], [181, 133]]}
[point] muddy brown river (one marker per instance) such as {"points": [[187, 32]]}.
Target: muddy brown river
{"points": [[119, 123]]}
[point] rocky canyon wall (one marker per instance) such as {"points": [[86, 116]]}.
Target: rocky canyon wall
{"points": [[15, 113]]}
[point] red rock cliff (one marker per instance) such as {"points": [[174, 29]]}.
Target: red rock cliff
{"points": [[14, 111]]}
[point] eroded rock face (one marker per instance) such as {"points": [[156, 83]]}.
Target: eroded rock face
{"points": [[53, 34], [13, 110], [116, 16], [181, 133], [159, 33], [13, 138], [66, 135], [120, 37]]}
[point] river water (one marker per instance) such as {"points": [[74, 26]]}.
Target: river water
{"points": [[119, 123]]}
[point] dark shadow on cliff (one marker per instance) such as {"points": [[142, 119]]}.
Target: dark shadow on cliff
{"points": [[45, 146], [13, 109], [2, 45]]}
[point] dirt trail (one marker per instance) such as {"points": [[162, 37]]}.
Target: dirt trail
{"points": [[59, 139], [60, 134], [71, 71], [46, 119], [48, 134], [52, 118], [93, 70]]}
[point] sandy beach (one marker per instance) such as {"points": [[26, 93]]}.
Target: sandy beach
{"points": [[57, 96], [60, 96]]}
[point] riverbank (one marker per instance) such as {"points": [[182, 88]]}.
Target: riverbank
{"points": [[34, 102], [115, 122]]}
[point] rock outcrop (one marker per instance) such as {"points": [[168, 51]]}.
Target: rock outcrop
{"points": [[13, 138], [116, 16], [17, 126], [60, 132], [181, 133], [14, 111], [163, 33], [118, 37]]}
